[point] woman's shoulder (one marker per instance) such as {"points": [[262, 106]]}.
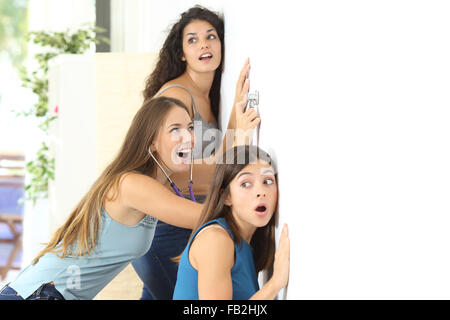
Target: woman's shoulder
{"points": [[213, 235], [133, 176], [212, 242], [214, 229], [133, 180], [178, 90], [130, 183], [177, 86]]}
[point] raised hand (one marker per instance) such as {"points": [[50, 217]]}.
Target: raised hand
{"points": [[245, 120]]}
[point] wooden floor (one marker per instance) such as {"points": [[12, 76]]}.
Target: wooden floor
{"points": [[126, 286]]}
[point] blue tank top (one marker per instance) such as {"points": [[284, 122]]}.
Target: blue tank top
{"points": [[85, 276], [243, 272]]}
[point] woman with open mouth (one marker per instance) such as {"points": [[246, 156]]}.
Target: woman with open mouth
{"points": [[234, 238], [114, 223], [189, 69]]}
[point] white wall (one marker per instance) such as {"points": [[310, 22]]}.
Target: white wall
{"points": [[60, 15], [354, 103]]}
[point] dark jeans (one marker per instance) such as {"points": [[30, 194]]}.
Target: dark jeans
{"points": [[156, 269], [45, 292]]}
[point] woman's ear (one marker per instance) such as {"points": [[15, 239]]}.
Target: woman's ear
{"points": [[152, 148], [227, 200], [183, 58]]}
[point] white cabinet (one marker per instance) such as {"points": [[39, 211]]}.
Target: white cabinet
{"points": [[97, 97], [73, 134]]}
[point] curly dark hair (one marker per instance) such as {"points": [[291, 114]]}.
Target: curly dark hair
{"points": [[170, 66]]}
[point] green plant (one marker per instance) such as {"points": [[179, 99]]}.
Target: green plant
{"points": [[42, 168]]}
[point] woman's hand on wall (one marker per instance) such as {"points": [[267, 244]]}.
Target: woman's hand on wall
{"points": [[280, 275]]}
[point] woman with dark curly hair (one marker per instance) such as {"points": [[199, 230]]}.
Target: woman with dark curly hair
{"points": [[189, 69]]}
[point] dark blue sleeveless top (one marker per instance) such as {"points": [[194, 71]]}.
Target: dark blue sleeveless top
{"points": [[243, 272]]}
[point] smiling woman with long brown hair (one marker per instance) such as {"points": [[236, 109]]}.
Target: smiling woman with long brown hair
{"points": [[115, 221]]}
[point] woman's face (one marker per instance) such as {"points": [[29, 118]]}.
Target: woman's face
{"points": [[253, 195], [174, 141], [201, 46]]}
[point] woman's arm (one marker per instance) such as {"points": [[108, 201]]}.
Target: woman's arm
{"points": [[212, 255], [147, 195]]}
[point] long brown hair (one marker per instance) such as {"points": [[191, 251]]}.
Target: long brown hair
{"points": [[170, 66], [82, 227], [263, 240]]}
